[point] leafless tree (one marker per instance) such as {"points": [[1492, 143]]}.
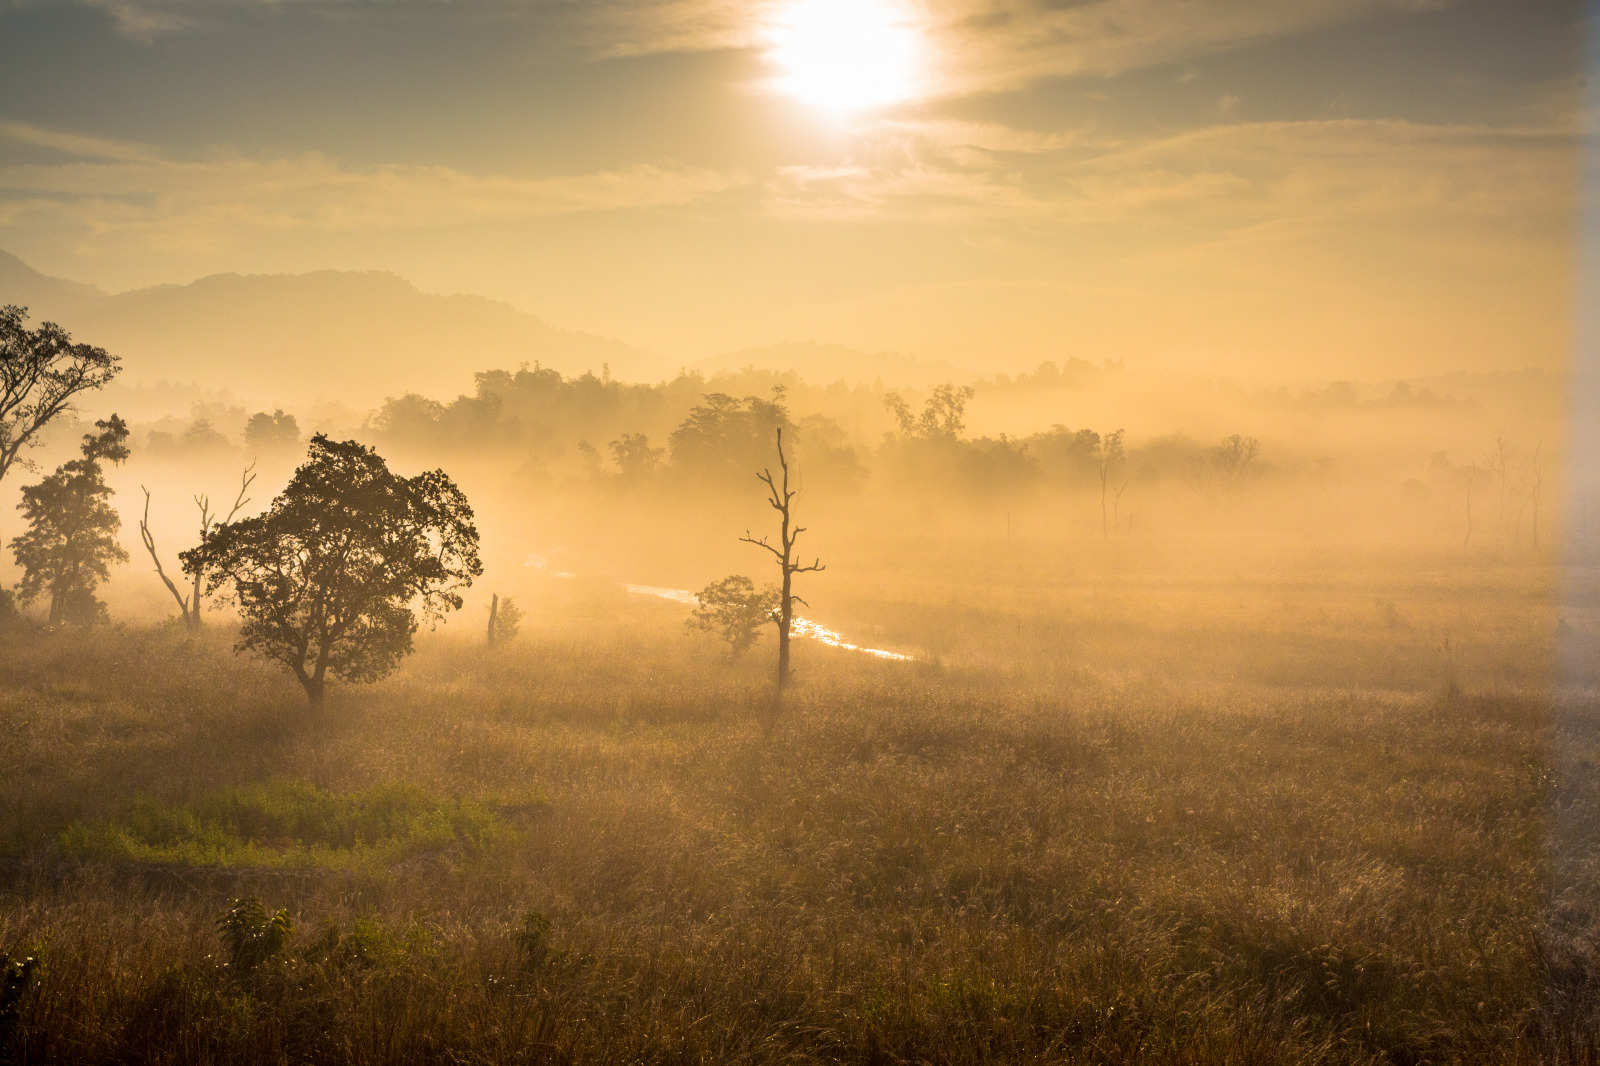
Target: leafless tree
{"points": [[1222, 473], [191, 617], [781, 498], [1498, 460], [189, 605], [1109, 457], [1536, 490]]}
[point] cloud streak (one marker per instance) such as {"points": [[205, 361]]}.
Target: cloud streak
{"points": [[974, 46], [105, 186], [1202, 183]]}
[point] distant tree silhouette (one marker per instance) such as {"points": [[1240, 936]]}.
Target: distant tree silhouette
{"points": [[1222, 473], [276, 432], [189, 603], [942, 417], [41, 371], [1109, 460], [734, 611], [203, 436], [1067, 457], [326, 578], [635, 459], [505, 620], [72, 530], [722, 436], [781, 498]]}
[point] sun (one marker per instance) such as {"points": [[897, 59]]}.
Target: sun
{"points": [[845, 56]]}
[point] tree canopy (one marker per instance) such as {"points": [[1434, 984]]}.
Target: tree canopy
{"points": [[327, 578], [72, 530], [41, 371], [734, 611]]}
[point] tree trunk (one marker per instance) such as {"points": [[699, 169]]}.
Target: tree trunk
{"points": [[785, 616], [494, 613]]}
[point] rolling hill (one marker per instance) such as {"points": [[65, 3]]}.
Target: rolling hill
{"points": [[295, 338]]}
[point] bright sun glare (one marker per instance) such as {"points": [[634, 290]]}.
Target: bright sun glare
{"points": [[845, 55]]}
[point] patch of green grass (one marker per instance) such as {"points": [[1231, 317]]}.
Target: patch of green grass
{"points": [[288, 824]]}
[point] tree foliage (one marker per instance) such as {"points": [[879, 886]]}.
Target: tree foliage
{"points": [[72, 530], [723, 437], [326, 579], [505, 620], [41, 371], [636, 460], [251, 937], [734, 610], [271, 433], [943, 413]]}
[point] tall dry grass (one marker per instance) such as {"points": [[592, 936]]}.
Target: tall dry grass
{"points": [[1183, 828]]}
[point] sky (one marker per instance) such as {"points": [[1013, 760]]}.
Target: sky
{"points": [[1286, 189]]}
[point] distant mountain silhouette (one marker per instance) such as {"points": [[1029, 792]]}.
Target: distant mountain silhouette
{"points": [[825, 363], [357, 337], [21, 284]]}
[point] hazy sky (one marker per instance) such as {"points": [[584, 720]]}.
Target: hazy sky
{"points": [[1265, 187]]}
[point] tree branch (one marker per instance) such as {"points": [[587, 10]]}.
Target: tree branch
{"points": [[150, 546]]}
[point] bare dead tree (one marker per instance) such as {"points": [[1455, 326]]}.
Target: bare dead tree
{"points": [[781, 499], [1108, 461], [1536, 475], [209, 524], [191, 618]]}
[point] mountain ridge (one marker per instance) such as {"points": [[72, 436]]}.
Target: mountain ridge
{"points": [[273, 337]]}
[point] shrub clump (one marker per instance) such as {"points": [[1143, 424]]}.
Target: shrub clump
{"points": [[250, 936]]}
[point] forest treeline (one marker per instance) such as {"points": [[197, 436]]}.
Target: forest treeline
{"points": [[704, 434], [700, 433]]}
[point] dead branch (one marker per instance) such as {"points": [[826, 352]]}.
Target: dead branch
{"points": [[189, 620]]}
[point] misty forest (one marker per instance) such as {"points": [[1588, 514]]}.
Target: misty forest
{"points": [[1156, 619]]}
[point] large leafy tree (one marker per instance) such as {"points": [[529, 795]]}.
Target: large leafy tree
{"points": [[41, 371], [327, 579], [72, 530]]}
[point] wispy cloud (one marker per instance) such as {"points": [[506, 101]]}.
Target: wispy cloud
{"points": [[990, 45], [101, 186], [986, 45], [1196, 185], [974, 45]]}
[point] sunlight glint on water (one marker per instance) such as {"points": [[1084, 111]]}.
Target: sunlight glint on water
{"points": [[800, 627]]}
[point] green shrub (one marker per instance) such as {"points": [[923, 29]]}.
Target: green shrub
{"points": [[17, 976], [250, 936], [532, 939]]}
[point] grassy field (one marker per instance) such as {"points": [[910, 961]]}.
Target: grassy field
{"points": [[1345, 818]]}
